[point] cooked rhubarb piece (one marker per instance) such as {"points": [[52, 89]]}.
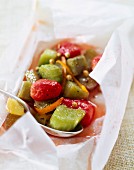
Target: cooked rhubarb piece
{"points": [[24, 92], [46, 56], [66, 119], [51, 72], [73, 91]]}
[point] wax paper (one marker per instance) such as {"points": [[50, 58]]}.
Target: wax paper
{"points": [[106, 25]]}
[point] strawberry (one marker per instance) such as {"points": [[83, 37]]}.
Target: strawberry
{"points": [[45, 89], [82, 104], [68, 49], [95, 61]]}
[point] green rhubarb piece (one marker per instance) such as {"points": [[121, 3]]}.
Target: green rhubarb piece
{"points": [[73, 91], [51, 72], [66, 119], [24, 92], [46, 56], [89, 55], [77, 64]]}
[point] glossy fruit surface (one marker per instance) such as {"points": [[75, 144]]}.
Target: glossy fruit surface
{"points": [[82, 104], [66, 119], [69, 49], [51, 72], [46, 56], [14, 107], [45, 89]]}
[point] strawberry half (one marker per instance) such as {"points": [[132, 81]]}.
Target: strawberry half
{"points": [[45, 89]]}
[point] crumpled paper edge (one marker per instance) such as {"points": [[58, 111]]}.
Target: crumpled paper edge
{"points": [[98, 66], [118, 48]]}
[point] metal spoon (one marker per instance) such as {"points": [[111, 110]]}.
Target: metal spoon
{"points": [[47, 129]]}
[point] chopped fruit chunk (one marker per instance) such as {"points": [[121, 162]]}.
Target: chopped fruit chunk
{"points": [[68, 49], [77, 64], [89, 55], [66, 119], [69, 71], [24, 92], [14, 107], [45, 89], [46, 56], [88, 82], [51, 72], [82, 104], [73, 91]]}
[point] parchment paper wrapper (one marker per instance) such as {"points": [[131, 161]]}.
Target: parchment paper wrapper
{"points": [[106, 25]]}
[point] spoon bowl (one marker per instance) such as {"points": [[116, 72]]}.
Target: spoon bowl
{"points": [[59, 133], [47, 129]]}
